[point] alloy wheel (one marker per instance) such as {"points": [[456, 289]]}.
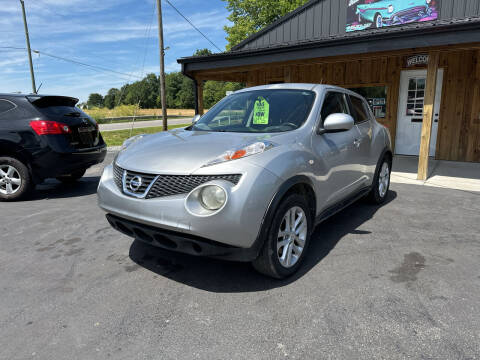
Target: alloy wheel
{"points": [[292, 236], [10, 180], [384, 179]]}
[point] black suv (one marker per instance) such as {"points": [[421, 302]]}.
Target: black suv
{"points": [[44, 137]]}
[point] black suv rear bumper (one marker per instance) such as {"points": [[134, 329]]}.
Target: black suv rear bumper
{"points": [[51, 164], [180, 242]]}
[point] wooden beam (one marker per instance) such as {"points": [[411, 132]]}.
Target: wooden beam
{"points": [[428, 107], [335, 59], [200, 97]]}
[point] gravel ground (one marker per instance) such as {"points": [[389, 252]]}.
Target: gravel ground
{"points": [[399, 281]]}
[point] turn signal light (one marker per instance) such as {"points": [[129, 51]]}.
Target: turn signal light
{"points": [[45, 127]]}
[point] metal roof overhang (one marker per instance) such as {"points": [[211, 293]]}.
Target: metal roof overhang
{"points": [[372, 41]]}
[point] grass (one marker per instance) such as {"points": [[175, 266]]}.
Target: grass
{"points": [[116, 138], [100, 114], [137, 119]]}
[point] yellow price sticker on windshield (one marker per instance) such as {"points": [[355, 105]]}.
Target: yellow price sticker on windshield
{"points": [[261, 112]]}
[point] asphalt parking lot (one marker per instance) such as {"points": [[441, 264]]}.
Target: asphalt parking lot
{"points": [[400, 281]]}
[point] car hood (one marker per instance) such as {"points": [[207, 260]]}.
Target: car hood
{"points": [[182, 152]]}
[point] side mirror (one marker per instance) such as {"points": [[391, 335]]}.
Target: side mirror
{"points": [[195, 118], [338, 122]]}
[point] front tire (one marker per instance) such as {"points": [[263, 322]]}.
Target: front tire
{"points": [[381, 182], [15, 179], [287, 241], [73, 177], [378, 22]]}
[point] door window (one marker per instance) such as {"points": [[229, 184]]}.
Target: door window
{"points": [[334, 103], [416, 95], [360, 110]]}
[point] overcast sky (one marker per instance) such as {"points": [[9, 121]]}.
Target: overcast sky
{"points": [[121, 35]]}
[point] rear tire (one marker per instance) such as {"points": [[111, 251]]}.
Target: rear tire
{"points": [[15, 180], [381, 182], [286, 245], [73, 177]]}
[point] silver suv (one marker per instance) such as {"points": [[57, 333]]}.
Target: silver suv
{"points": [[250, 179]]}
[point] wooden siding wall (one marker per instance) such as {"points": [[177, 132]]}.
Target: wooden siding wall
{"points": [[459, 126]]}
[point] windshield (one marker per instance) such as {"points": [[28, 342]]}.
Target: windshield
{"points": [[259, 111]]}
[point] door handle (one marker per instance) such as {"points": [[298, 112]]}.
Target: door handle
{"points": [[357, 143]]}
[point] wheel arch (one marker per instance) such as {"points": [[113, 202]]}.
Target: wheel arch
{"points": [[10, 149], [299, 184]]}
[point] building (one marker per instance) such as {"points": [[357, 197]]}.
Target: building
{"points": [[416, 61]]}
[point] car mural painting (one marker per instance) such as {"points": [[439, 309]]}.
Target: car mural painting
{"points": [[365, 14]]}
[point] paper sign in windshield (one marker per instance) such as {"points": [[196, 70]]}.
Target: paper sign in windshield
{"points": [[261, 112]]}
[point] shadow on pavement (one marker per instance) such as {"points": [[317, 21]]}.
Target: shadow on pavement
{"points": [[230, 277], [53, 189]]}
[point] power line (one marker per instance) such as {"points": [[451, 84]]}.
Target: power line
{"points": [[85, 64], [93, 67], [201, 33]]}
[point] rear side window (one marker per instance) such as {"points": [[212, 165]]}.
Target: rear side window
{"points": [[5, 106], [334, 103], [360, 110]]}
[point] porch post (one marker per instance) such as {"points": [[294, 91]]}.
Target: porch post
{"points": [[200, 97], [428, 107]]}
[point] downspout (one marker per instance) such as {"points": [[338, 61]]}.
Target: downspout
{"points": [[195, 88]]}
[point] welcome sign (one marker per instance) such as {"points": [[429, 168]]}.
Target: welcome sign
{"points": [[375, 14]]}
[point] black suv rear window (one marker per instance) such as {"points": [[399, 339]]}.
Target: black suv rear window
{"points": [[57, 106]]}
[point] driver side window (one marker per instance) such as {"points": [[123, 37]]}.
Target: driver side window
{"points": [[334, 103]]}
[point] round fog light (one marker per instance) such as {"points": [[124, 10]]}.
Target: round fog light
{"points": [[213, 197]]}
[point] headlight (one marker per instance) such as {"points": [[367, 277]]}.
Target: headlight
{"points": [[212, 197], [131, 141], [244, 151], [391, 9]]}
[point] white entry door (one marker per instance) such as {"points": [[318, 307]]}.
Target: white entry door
{"points": [[410, 112]]}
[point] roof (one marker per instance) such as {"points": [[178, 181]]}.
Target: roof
{"points": [[413, 35], [12, 95], [275, 24]]}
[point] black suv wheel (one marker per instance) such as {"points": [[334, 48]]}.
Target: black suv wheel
{"points": [[15, 179]]}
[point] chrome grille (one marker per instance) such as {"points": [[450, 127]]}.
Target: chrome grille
{"points": [[167, 185], [118, 176], [145, 182]]}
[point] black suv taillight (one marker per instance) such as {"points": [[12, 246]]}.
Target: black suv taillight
{"points": [[46, 127]]}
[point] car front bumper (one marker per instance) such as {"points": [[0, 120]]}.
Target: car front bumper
{"points": [[236, 227]]}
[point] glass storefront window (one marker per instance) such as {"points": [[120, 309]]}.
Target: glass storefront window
{"points": [[376, 97]]}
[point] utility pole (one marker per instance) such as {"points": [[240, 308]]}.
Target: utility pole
{"points": [[32, 74], [162, 66]]}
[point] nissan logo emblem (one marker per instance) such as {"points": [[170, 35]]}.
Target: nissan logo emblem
{"points": [[135, 183]]}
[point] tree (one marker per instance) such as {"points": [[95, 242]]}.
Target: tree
{"points": [[249, 16], [203, 52], [143, 92], [112, 98], [95, 100], [214, 91]]}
